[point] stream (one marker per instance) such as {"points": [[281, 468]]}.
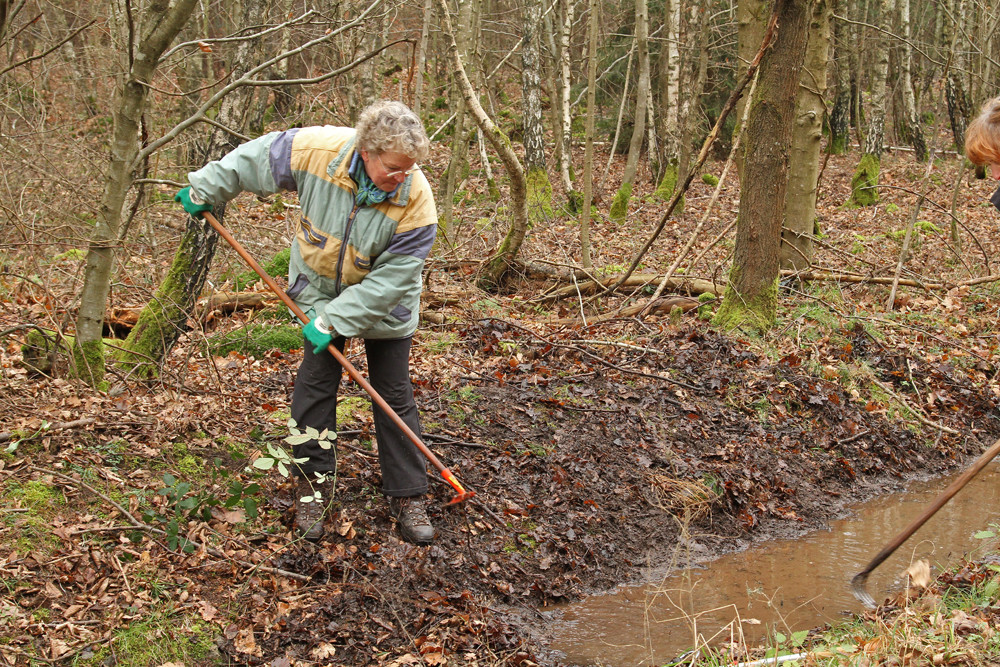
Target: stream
{"points": [[783, 586]]}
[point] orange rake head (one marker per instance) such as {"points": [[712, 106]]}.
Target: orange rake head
{"points": [[461, 494]]}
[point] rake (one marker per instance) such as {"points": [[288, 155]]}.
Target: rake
{"points": [[859, 580], [461, 493]]}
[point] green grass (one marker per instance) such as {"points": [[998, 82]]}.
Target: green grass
{"points": [[163, 636]]}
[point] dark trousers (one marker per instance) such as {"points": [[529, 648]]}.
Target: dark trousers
{"points": [[314, 403]]}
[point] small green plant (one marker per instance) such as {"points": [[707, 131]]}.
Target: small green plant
{"points": [[710, 179], [184, 504]]}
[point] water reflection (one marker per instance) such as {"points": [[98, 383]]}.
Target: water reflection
{"points": [[785, 585]]}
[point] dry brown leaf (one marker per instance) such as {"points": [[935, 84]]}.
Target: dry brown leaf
{"points": [[323, 651], [919, 573], [245, 643]]}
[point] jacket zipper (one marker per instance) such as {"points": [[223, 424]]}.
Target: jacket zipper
{"points": [[343, 247]]}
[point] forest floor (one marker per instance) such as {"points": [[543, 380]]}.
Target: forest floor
{"points": [[593, 448]]}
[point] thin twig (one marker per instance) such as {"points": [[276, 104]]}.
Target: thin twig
{"points": [[917, 412]]}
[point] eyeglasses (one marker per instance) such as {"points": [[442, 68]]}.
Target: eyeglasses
{"points": [[397, 172]]}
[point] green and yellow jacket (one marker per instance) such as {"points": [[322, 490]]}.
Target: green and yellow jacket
{"points": [[359, 266]]}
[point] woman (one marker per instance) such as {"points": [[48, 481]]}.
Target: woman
{"points": [[367, 224], [982, 142]]}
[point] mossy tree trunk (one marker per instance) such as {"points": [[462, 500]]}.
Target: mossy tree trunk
{"points": [[495, 269], [163, 320], [151, 28], [807, 138], [619, 207], [841, 112], [913, 132], [751, 294], [539, 188], [864, 183]]}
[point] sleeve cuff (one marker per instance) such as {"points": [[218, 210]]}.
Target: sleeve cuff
{"points": [[321, 326]]}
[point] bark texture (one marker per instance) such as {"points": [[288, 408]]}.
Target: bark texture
{"points": [[807, 139], [751, 295]]}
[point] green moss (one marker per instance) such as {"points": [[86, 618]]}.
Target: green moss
{"points": [[348, 408], [668, 185], [756, 314], [88, 362], [539, 194], [162, 637], [33, 529], [277, 267], [864, 183], [255, 340], [710, 179], [705, 304], [619, 207]]}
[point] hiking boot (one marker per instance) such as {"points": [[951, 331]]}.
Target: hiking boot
{"points": [[411, 514], [309, 515]]}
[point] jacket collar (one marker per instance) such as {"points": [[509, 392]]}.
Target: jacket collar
{"points": [[343, 163]]}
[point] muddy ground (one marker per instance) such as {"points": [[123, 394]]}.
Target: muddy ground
{"points": [[589, 460]]}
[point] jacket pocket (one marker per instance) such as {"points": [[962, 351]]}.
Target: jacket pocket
{"points": [[319, 251]]}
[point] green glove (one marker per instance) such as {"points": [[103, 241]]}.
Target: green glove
{"points": [[317, 333], [194, 210]]}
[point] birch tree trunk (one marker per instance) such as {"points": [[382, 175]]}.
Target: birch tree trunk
{"points": [[495, 269], [807, 138], [619, 208], [588, 152], [670, 73], [151, 28], [539, 188], [912, 131], [565, 88], [864, 183], [752, 291], [162, 320]]}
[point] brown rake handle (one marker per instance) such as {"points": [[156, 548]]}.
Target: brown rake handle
{"points": [[342, 360], [858, 582]]}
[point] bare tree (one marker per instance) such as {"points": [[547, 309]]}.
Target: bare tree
{"points": [[620, 205], [143, 33], [496, 268], [752, 291], [864, 183], [162, 321]]}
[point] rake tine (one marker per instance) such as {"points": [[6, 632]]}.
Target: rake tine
{"points": [[858, 589]]}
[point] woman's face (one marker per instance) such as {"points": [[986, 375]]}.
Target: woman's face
{"points": [[388, 169]]}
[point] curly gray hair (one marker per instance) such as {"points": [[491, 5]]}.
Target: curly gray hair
{"points": [[391, 126]]}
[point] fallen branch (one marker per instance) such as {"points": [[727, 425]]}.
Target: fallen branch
{"points": [[657, 307], [86, 421]]}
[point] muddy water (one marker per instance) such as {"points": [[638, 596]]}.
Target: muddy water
{"points": [[781, 586]]}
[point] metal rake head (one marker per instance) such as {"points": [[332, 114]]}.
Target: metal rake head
{"points": [[858, 589]]}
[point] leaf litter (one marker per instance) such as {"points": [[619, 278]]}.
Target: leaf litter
{"points": [[593, 449]]}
